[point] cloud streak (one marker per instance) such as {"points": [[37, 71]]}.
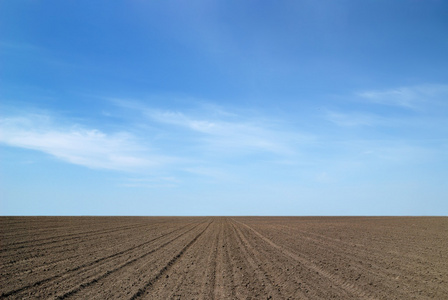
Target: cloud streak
{"points": [[354, 119], [213, 142], [413, 97], [215, 130], [239, 136], [200, 142], [81, 146]]}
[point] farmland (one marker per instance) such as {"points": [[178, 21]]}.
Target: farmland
{"points": [[224, 257]]}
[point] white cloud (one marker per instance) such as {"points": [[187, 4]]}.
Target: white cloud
{"points": [[241, 134], [353, 119], [82, 146], [413, 97], [202, 141], [212, 129], [396, 153]]}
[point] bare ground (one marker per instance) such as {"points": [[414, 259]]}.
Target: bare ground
{"points": [[224, 257]]}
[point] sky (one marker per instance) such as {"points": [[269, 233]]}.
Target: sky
{"points": [[224, 107]]}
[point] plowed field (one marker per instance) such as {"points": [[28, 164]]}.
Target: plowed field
{"points": [[224, 257]]}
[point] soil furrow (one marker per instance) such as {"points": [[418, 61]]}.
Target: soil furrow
{"points": [[271, 290], [223, 258], [368, 252], [369, 269], [144, 289], [33, 232], [86, 265], [229, 267], [209, 288], [68, 237], [64, 247], [282, 269], [116, 269], [352, 289]]}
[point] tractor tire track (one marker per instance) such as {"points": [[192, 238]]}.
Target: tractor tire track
{"points": [[224, 258], [86, 265], [350, 288], [120, 267], [271, 290], [69, 237], [144, 289]]}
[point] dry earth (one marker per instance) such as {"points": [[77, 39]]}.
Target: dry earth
{"points": [[224, 257]]}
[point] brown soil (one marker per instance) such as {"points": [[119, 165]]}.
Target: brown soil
{"points": [[224, 257]]}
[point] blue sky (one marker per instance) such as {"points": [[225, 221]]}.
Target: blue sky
{"points": [[224, 108]]}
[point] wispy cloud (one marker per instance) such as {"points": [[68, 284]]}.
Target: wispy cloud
{"points": [[218, 143], [77, 145], [354, 119], [215, 129], [203, 141], [413, 97], [232, 136]]}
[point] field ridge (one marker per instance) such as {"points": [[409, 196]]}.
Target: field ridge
{"points": [[224, 257]]}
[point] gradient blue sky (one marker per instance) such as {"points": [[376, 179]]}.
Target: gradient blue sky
{"points": [[224, 107]]}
